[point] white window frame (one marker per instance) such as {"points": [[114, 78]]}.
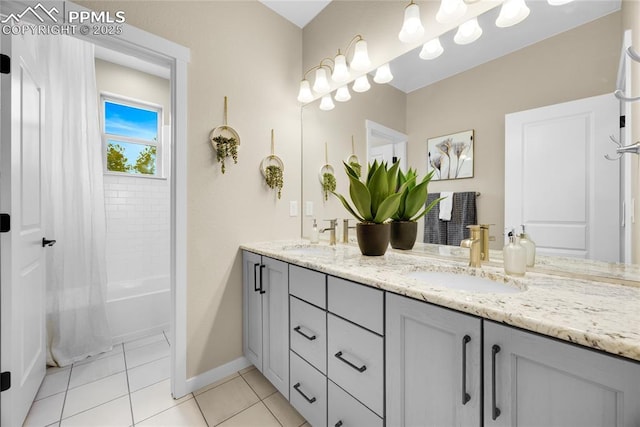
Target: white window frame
{"points": [[135, 103]]}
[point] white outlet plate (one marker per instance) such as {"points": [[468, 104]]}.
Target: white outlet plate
{"points": [[293, 208], [308, 208]]}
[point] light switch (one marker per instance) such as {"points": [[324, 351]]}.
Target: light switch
{"points": [[308, 208], [293, 208]]}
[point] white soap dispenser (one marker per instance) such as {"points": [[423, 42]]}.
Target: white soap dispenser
{"points": [[315, 234], [530, 246], [515, 256]]}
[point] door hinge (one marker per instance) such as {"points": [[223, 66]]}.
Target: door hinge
{"points": [[5, 381], [5, 64], [622, 121], [5, 223]]}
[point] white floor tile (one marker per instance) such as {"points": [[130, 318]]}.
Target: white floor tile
{"points": [[216, 384], [112, 414], [95, 393], [226, 400], [149, 373], [97, 369], [256, 416], [184, 414], [44, 412], [143, 341], [153, 399], [117, 349], [147, 353], [54, 383]]}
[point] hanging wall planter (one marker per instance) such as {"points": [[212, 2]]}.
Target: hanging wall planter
{"points": [[225, 140], [272, 168], [353, 160], [327, 175]]}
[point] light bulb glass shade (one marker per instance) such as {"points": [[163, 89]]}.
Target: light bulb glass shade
{"points": [[558, 2], [361, 84], [321, 84], [412, 29], [326, 103], [512, 12], [383, 74], [340, 70], [431, 49], [468, 32], [342, 94], [305, 95], [360, 61], [450, 11]]}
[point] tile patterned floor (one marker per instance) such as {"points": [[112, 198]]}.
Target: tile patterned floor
{"points": [[129, 386]]}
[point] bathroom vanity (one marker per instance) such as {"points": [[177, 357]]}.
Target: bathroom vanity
{"points": [[409, 339]]}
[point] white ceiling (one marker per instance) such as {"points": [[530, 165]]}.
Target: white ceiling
{"points": [[300, 12]]}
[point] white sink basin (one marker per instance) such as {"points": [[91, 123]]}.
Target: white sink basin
{"points": [[462, 282]]}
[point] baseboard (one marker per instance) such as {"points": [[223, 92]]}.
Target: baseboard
{"points": [[213, 375]]}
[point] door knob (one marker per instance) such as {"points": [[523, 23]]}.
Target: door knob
{"points": [[46, 242]]}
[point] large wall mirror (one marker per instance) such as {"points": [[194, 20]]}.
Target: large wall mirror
{"points": [[474, 87]]}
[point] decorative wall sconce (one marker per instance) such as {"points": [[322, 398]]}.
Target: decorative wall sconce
{"points": [[431, 49], [512, 12], [383, 74], [468, 32], [342, 94], [326, 103], [451, 11], [412, 29], [361, 84]]}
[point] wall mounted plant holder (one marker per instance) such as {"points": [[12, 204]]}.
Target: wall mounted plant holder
{"points": [[327, 175], [353, 160], [225, 141], [272, 168]]}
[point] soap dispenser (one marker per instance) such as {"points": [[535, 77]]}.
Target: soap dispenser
{"points": [[314, 232], [515, 256], [530, 246]]}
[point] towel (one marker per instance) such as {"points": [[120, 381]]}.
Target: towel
{"points": [[464, 213], [446, 205], [435, 231]]}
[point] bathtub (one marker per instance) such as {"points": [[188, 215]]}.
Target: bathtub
{"points": [[138, 308]]}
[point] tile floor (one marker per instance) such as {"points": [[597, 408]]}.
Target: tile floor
{"points": [[130, 386]]}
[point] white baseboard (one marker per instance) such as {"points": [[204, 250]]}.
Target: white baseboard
{"points": [[209, 377]]}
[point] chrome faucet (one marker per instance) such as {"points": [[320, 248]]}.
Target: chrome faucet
{"points": [[474, 243], [345, 230], [333, 225]]}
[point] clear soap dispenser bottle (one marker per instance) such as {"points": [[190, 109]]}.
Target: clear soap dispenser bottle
{"points": [[515, 256], [314, 232], [530, 246]]}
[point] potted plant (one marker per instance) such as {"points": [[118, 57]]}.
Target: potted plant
{"points": [[374, 201], [404, 226]]}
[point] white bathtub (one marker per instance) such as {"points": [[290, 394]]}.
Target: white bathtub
{"points": [[139, 308]]}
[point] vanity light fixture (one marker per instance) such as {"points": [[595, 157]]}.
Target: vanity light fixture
{"points": [[342, 94], [361, 84], [383, 74], [412, 29], [558, 2], [512, 12], [305, 95], [340, 70], [431, 49], [468, 32], [326, 103], [450, 11], [360, 61], [321, 83]]}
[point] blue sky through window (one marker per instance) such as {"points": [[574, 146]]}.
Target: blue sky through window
{"points": [[131, 122]]}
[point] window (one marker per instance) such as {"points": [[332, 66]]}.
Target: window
{"points": [[132, 137]]}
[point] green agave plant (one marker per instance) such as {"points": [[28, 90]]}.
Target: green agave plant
{"points": [[376, 199], [413, 196]]}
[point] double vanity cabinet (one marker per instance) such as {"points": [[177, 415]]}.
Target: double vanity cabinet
{"points": [[349, 354]]}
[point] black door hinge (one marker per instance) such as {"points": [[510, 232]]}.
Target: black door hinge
{"points": [[5, 381], [622, 121], [5, 223], [5, 64]]}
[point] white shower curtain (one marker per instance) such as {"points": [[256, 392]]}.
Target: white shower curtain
{"points": [[74, 213]]}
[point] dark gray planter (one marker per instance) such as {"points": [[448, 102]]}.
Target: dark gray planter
{"points": [[403, 234], [373, 239]]}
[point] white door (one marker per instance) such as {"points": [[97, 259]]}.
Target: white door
{"points": [[557, 181], [22, 254], [386, 144], [381, 153]]}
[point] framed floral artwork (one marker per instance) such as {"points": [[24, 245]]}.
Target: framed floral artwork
{"points": [[451, 156]]}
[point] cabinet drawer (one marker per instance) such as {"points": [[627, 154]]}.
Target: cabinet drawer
{"points": [[308, 285], [308, 331], [346, 411], [308, 392], [355, 362], [360, 304]]}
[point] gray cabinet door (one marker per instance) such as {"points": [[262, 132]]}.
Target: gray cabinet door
{"points": [[251, 309], [531, 380], [275, 323], [433, 360]]}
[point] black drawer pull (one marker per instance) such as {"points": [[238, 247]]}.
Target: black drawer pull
{"points": [[297, 387], [357, 368], [310, 338], [255, 277], [495, 411], [262, 266], [338, 424], [465, 396]]}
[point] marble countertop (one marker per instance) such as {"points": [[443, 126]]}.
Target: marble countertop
{"points": [[600, 315]]}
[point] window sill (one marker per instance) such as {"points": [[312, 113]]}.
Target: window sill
{"points": [[130, 175]]}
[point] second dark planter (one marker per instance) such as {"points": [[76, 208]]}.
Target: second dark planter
{"points": [[403, 234], [373, 239]]}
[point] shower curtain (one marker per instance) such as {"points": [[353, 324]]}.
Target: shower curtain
{"points": [[74, 211]]}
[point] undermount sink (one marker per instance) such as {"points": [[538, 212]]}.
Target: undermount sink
{"points": [[463, 282], [312, 250]]}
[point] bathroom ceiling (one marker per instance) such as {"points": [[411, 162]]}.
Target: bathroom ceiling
{"points": [[300, 12]]}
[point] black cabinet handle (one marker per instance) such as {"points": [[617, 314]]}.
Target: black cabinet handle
{"points": [[255, 277], [297, 387], [262, 266], [357, 368], [465, 396], [46, 242], [338, 424], [495, 411], [310, 338]]}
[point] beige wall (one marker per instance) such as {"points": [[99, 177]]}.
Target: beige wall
{"points": [[258, 66], [576, 64]]}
